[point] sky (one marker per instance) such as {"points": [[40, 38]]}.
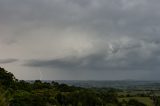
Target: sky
{"points": [[80, 39]]}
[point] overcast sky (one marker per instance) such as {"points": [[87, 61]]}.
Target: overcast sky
{"points": [[80, 39]]}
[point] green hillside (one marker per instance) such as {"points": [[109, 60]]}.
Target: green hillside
{"points": [[15, 92]]}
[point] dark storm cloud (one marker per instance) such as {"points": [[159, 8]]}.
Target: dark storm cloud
{"points": [[6, 61], [138, 19], [98, 63]]}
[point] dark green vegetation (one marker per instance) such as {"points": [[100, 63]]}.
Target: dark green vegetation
{"points": [[15, 92]]}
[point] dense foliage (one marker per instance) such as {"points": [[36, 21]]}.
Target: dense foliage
{"points": [[15, 92]]}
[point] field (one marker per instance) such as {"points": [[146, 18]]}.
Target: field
{"points": [[145, 100]]}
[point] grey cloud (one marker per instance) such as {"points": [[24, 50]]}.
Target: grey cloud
{"points": [[138, 19], [128, 57], [90, 14], [6, 61], [99, 63]]}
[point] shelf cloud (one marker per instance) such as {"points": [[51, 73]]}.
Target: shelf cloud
{"points": [[6, 61]]}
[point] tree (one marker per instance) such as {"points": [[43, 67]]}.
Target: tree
{"points": [[7, 79], [3, 98]]}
